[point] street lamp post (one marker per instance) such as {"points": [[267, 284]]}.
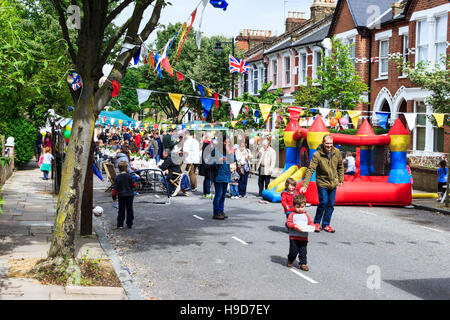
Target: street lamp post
{"points": [[219, 49]]}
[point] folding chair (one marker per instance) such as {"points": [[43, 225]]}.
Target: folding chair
{"points": [[110, 173]]}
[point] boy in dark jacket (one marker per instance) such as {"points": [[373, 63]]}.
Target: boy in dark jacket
{"points": [[123, 190], [298, 238]]}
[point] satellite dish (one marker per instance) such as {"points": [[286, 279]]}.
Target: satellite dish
{"points": [[326, 43]]}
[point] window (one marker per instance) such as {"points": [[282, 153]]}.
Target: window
{"points": [[246, 82], [265, 74], [405, 54], [302, 68], [261, 77], [383, 66], [441, 38], [317, 63], [287, 71], [274, 72], [141, 115], [422, 41], [351, 43], [255, 81], [420, 130]]}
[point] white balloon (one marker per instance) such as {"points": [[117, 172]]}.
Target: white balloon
{"points": [[98, 211]]}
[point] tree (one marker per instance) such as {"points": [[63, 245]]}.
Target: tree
{"points": [[339, 84], [306, 96], [89, 48], [436, 79]]}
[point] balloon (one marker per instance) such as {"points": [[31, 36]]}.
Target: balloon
{"points": [[68, 128], [252, 141], [334, 122], [338, 115], [67, 134], [343, 121]]}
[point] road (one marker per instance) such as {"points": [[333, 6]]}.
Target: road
{"points": [[177, 251]]}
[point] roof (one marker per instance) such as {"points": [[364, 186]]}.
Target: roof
{"points": [[256, 57], [284, 45], [317, 36], [116, 115], [362, 16]]}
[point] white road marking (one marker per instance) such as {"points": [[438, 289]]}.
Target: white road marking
{"points": [[241, 241], [303, 276], [369, 213], [199, 218], [432, 229]]}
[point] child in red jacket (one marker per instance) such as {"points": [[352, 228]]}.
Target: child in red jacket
{"points": [[287, 197], [298, 239]]}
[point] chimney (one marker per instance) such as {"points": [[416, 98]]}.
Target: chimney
{"points": [[294, 20], [397, 8], [321, 9], [249, 38]]}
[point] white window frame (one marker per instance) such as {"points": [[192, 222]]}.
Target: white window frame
{"points": [[255, 78], [444, 42], [302, 80], [381, 74], [286, 71], [315, 64], [426, 44], [274, 75]]}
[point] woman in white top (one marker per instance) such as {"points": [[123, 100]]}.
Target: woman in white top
{"points": [[243, 156]]}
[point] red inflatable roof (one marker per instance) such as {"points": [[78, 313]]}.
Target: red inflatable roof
{"points": [[318, 125], [398, 129], [365, 129]]}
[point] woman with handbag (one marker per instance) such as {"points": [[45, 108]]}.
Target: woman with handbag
{"points": [[243, 156]]}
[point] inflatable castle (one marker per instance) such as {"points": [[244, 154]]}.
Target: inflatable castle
{"points": [[360, 189]]}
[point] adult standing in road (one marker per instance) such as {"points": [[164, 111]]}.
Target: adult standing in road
{"points": [[265, 166], [243, 156], [159, 154], [191, 151], [327, 162], [205, 168], [221, 177]]}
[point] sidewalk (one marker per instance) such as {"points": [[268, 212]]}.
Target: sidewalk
{"points": [[25, 232], [430, 204]]}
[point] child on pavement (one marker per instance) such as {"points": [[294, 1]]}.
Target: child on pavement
{"points": [[298, 239], [123, 189], [46, 165], [234, 184], [287, 197], [442, 178]]}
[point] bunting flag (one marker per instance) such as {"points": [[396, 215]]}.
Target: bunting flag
{"points": [[220, 4], [209, 92], [294, 113], [103, 119], [207, 104], [439, 119], [284, 120], [166, 65], [324, 112], [143, 95], [116, 88], [411, 120], [198, 38], [244, 122], [246, 109], [180, 76], [112, 120], [265, 109], [233, 123], [185, 36], [74, 79], [127, 47], [200, 88], [152, 60], [256, 116], [382, 118], [193, 84], [136, 56], [216, 99], [354, 115], [176, 99], [120, 123], [166, 51], [235, 107]]}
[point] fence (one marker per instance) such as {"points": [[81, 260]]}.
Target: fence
{"points": [[6, 161]]}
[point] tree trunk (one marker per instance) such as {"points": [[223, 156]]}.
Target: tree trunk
{"points": [[73, 177], [88, 196]]}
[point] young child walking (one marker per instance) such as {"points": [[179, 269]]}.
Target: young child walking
{"points": [[287, 197], [442, 178], [123, 190], [46, 165], [298, 238]]}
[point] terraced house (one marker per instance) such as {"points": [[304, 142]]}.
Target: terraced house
{"points": [[416, 30]]}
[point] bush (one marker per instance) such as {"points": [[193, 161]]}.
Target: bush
{"points": [[24, 134]]}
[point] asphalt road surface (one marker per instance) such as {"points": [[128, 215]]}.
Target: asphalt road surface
{"points": [[177, 251]]}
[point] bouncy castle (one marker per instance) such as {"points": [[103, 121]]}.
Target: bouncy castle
{"points": [[362, 188]]}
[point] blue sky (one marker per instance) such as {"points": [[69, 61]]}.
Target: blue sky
{"points": [[240, 14]]}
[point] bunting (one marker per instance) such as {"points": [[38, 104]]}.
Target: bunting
{"points": [[411, 120], [143, 95], [176, 99], [180, 76], [216, 99], [439, 119], [324, 112], [265, 109], [186, 34], [116, 88], [354, 115], [235, 107], [207, 104], [200, 88], [198, 38], [233, 123], [382, 118]]}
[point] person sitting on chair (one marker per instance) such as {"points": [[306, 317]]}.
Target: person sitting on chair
{"points": [[170, 169]]}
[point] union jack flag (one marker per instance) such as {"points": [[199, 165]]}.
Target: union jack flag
{"points": [[237, 65]]}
